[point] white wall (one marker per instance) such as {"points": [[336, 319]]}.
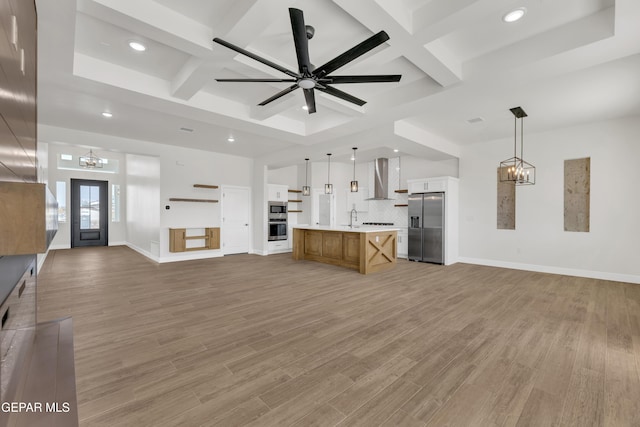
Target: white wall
{"points": [[143, 204], [180, 169], [612, 247]]}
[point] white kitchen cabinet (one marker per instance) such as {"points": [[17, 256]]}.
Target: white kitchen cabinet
{"points": [[277, 193], [403, 243], [428, 185], [358, 200], [278, 246]]}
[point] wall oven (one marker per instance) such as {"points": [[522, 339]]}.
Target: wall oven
{"points": [[277, 218]]}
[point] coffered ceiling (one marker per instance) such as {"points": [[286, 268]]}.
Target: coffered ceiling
{"points": [[566, 62]]}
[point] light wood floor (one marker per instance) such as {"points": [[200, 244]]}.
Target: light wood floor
{"points": [[266, 341]]}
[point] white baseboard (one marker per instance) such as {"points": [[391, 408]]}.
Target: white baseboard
{"points": [[143, 252], [603, 275], [191, 256], [257, 252], [58, 247], [118, 243]]}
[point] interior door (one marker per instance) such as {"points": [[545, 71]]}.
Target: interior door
{"points": [[89, 213], [235, 220]]}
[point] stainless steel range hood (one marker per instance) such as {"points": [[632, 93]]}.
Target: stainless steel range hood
{"points": [[380, 179]]}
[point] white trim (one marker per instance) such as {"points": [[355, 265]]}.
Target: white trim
{"points": [[603, 275], [122, 243], [257, 252], [143, 252], [58, 247], [213, 253], [40, 259]]}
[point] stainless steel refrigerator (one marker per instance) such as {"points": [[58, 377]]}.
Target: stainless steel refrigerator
{"points": [[426, 227]]}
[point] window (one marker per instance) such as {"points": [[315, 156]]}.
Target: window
{"points": [[61, 196], [115, 203]]}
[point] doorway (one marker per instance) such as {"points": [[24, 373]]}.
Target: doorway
{"points": [[235, 219], [89, 213]]}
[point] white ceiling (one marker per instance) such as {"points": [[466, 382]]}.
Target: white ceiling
{"points": [[566, 63]]}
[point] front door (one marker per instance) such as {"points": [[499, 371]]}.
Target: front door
{"points": [[89, 213], [235, 217]]}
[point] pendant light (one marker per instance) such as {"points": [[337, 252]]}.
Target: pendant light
{"points": [[90, 161], [306, 190], [515, 169], [328, 188], [354, 183]]}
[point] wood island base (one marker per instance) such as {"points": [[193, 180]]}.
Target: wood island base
{"points": [[365, 251]]}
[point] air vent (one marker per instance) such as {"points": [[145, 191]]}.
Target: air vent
{"points": [[475, 120], [186, 129]]}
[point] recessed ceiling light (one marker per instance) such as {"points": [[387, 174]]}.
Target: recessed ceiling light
{"points": [[231, 139], [514, 15], [107, 114], [395, 150], [137, 46], [305, 108]]}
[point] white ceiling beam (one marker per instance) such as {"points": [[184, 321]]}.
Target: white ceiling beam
{"points": [[375, 17], [427, 139], [245, 20]]}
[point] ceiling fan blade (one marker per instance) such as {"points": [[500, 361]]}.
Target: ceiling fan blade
{"points": [[258, 80], [389, 78], [310, 97], [256, 57], [353, 53], [342, 95], [300, 40], [279, 95]]}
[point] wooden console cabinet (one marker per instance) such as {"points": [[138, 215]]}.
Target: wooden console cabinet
{"points": [[178, 238]]}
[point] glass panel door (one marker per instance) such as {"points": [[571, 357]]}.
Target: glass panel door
{"points": [[89, 213]]}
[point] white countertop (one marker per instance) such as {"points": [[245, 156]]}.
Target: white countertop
{"points": [[346, 228]]}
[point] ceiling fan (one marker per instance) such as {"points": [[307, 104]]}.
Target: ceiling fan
{"points": [[309, 77]]}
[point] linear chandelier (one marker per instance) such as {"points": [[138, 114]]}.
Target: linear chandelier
{"points": [[515, 169]]}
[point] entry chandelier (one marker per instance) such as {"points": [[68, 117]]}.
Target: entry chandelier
{"points": [[306, 190], [328, 187], [90, 161], [515, 169], [354, 183]]}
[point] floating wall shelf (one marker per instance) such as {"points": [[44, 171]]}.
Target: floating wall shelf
{"points": [[177, 199], [293, 211], [213, 187], [402, 191], [400, 205], [294, 191], [295, 201]]}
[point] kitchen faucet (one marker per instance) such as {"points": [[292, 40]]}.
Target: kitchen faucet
{"points": [[351, 214]]}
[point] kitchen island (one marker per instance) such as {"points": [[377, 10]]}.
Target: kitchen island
{"points": [[367, 249]]}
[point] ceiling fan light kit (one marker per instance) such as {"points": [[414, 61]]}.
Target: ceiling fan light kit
{"points": [[515, 169], [309, 78]]}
